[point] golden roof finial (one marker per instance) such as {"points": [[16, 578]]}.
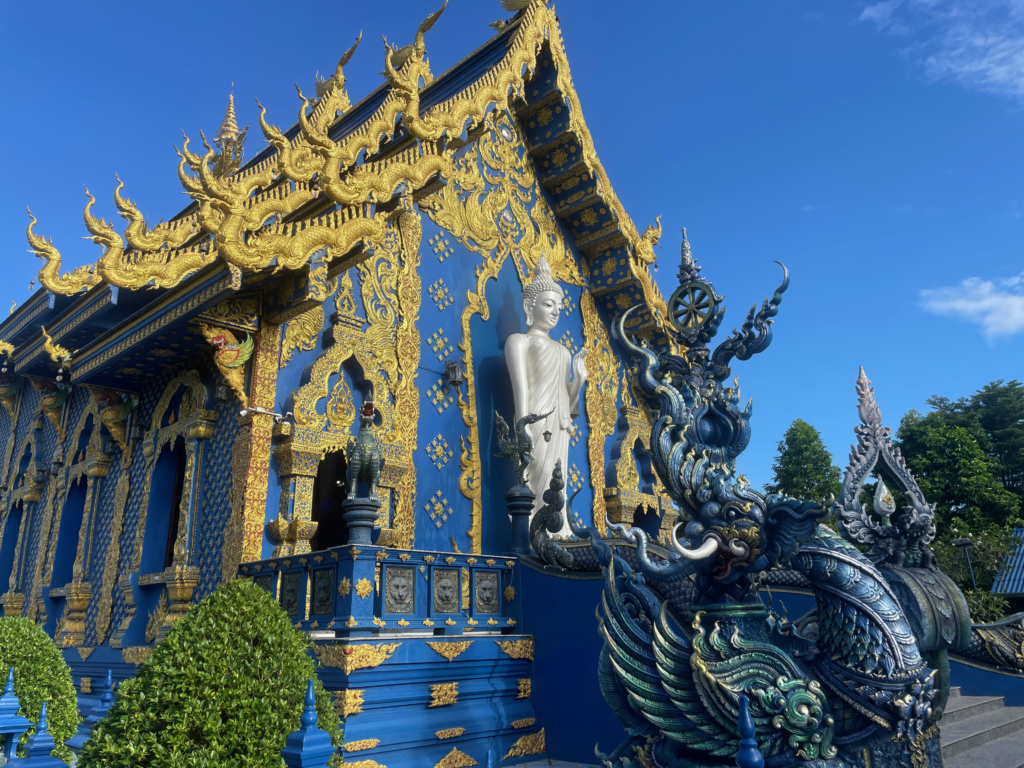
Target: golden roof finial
{"points": [[228, 130]]}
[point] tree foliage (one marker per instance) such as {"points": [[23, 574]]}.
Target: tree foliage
{"points": [[224, 688], [803, 467], [40, 674]]}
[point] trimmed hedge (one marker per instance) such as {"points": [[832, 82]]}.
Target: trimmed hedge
{"points": [[40, 674], [224, 688]]}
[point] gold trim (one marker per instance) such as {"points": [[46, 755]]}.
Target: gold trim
{"points": [[359, 746], [517, 649], [349, 703], [456, 759], [524, 723], [443, 694], [450, 649], [350, 658], [449, 733], [532, 744]]}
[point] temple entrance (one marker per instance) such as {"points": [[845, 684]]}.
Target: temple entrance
{"points": [[329, 491]]}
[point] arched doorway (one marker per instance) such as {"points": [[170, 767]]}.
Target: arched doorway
{"points": [[329, 491]]}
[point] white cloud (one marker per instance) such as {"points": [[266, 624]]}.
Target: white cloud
{"points": [[978, 44], [996, 305]]}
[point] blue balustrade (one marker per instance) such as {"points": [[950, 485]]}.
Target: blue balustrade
{"points": [[12, 725], [748, 756], [85, 728], [37, 750], [361, 591], [308, 747]]}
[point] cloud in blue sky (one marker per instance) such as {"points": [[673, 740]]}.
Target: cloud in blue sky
{"points": [[996, 305], [978, 44]]}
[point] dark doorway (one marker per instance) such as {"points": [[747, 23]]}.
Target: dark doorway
{"points": [[329, 491], [180, 461]]}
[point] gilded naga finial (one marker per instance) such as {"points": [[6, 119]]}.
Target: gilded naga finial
{"points": [[649, 239], [57, 353], [404, 68], [68, 284], [139, 236]]}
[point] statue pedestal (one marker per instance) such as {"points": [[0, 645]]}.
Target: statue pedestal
{"points": [[360, 517], [519, 501]]}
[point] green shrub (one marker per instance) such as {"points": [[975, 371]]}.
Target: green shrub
{"points": [[40, 674], [224, 688], [986, 607]]}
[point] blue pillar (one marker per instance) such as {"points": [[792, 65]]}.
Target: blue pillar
{"points": [[308, 747], [12, 725], [40, 745], [748, 755]]}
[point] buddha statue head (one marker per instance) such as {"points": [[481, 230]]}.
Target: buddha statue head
{"points": [[542, 298]]}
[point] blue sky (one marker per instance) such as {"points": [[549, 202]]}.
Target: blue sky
{"points": [[873, 147]]}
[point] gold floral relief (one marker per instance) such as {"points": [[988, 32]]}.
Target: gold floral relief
{"points": [[600, 397], [112, 557], [517, 649], [348, 702], [261, 428], [350, 658], [532, 744]]}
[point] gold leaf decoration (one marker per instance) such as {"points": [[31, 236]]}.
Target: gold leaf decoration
{"points": [[532, 744], [358, 746], [349, 658], [510, 593], [455, 759], [363, 588], [85, 653], [525, 688], [524, 723], [443, 694], [450, 649], [449, 733], [136, 655], [349, 702], [344, 586], [517, 649]]}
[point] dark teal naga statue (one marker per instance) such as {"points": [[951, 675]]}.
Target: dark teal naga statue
{"points": [[686, 633]]}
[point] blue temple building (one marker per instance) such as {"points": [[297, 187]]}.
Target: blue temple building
{"points": [[301, 379], [183, 407]]}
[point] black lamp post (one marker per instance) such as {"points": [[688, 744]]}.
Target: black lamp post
{"points": [[966, 545]]}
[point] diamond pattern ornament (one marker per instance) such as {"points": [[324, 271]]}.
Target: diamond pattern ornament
{"points": [[441, 246], [569, 342], [440, 396], [439, 452], [438, 508], [575, 479], [439, 345], [440, 295]]}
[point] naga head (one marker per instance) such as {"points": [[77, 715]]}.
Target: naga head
{"points": [[701, 429]]}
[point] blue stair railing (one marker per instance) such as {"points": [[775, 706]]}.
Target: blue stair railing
{"points": [[308, 747], [748, 756], [12, 725], [37, 750]]}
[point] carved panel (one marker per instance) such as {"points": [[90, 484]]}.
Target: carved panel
{"points": [[446, 590], [291, 591], [486, 583], [323, 591], [399, 589]]}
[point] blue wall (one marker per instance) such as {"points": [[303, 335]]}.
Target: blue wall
{"points": [[559, 613]]}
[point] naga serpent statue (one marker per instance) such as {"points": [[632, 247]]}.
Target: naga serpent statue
{"points": [[686, 634]]}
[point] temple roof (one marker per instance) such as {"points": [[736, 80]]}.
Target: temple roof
{"points": [[333, 159], [1010, 580]]}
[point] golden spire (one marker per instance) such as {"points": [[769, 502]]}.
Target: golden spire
{"points": [[228, 130]]}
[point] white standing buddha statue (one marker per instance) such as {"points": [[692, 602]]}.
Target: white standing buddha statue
{"points": [[546, 378]]}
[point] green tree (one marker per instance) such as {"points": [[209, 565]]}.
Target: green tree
{"points": [[996, 411], [954, 472], [223, 690], [40, 674], [803, 467]]}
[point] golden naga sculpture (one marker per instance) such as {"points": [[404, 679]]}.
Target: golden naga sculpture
{"points": [[139, 236], [404, 68], [649, 239], [230, 357], [6, 348], [136, 271], [60, 355], [68, 284]]}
